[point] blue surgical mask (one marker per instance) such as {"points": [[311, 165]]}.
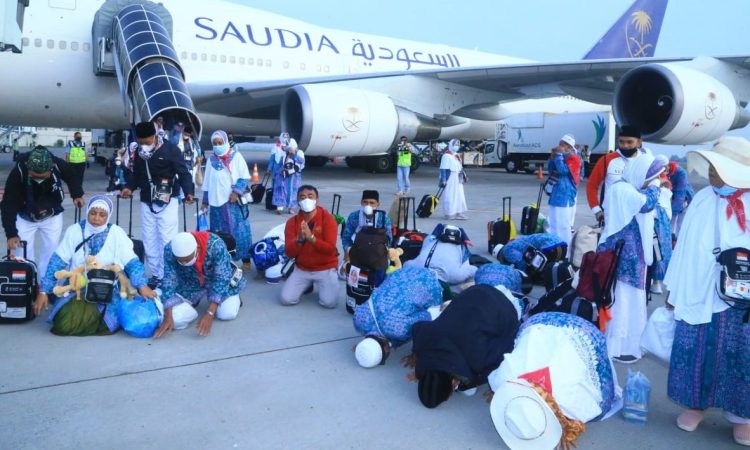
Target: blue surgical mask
{"points": [[725, 190], [221, 150]]}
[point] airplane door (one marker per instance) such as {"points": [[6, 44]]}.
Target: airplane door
{"points": [[63, 4]]}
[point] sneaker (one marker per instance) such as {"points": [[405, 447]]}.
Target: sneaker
{"points": [[154, 282], [656, 288], [626, 359]]}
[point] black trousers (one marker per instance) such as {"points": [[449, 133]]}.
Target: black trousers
{"points": [[79, 169]]}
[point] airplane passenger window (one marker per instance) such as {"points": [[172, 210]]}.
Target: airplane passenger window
{"points": [[242, 60], [63, 45], [232, 60], [326, 68], [25, 42], [37, 42], [183, 55], [204, 57], [286, 64], [318, 68], [268, 63], [302, 66], [223, 58], [194, 56], [50, 43], [213, 58], [260, 62], [250, 61], [86, 47], [74, 46]]}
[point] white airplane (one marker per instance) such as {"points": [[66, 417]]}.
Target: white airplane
{"points": [[108, 64]]}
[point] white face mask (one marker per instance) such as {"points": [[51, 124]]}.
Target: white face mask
{"points": [[221, 150], [368, 210], [307, 205], [191, 262]]}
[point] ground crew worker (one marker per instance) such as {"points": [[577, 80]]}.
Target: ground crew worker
{"points": [[403, 162], [75, 155]]}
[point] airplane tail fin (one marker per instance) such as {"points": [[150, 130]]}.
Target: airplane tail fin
{"points": [[635, 33]]}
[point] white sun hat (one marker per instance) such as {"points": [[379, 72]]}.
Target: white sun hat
{"points": [[730, 156], [523, 419]]}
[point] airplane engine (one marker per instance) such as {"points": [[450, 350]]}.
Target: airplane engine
{"points": [[329, 120], [673, 104]]}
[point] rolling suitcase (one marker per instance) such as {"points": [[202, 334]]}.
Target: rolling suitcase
{"points": [[428, 204], [401, 224], [269, 199], [356, 295], [499, 231], [258, 190], [18, 288], [335, 209], [530, 215], [138, 248]]}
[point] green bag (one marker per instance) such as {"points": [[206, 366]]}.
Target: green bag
{"points": [[79, 318]]}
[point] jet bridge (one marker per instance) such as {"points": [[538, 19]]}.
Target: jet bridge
{"points": [[133, 41], [11, 24]]}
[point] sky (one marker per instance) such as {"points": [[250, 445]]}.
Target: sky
{"points": [[543, 30]]}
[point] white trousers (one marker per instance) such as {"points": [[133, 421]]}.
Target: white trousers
{"points": [[561, 222], [158, 230], [629, 317], [184, 313], [50, 231]]}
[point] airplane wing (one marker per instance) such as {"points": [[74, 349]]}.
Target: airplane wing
{"points": [[591, 80]]}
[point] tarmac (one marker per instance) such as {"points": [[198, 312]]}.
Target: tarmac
{"points": [[280, 377]]}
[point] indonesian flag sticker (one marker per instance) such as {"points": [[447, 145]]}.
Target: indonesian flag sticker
{"points": [[18, 275]]}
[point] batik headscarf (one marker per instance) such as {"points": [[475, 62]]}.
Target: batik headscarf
{"points": [[98, 202]]}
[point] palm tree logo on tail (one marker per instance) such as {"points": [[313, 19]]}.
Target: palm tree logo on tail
{"points": [[641, 25], [600, 126]]}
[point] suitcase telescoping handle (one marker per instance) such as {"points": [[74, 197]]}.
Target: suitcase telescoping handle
{"points": [[439, 192], [539, 198], [504, 200], [23, 246], [130, 215], [266, 179], [336, 206], [77, 214]]}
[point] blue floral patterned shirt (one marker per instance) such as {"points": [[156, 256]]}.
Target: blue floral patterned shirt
{"points": [[565, 191]]}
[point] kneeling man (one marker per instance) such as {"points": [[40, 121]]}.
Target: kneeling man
{"points": [[198, 264]]}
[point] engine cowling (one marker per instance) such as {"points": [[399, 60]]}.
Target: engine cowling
{"points": [[674, 104], [331, 120]]}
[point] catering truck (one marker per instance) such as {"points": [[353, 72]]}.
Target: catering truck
{"points": [[524, 141]]}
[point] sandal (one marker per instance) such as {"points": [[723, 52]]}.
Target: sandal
{"points": [[690, 419]]}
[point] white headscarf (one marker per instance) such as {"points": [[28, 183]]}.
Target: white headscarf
{"points": [[97, 202], [623, 202]]}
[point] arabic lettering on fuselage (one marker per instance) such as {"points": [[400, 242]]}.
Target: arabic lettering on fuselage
{"points": [[210, 30], [369, 54]]}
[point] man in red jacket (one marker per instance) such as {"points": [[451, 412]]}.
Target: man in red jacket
{"points": [[310, 236]]}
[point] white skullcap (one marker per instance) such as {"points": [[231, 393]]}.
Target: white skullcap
{"points": [[496, 250], [368, 353], [184, 244]]}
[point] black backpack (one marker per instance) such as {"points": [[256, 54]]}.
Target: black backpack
{"points": [[370, 248]]}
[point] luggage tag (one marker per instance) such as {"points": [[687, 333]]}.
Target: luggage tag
{"points": [[353, 277]]}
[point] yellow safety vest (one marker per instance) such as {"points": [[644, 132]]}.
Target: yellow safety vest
{"points": [[404, 157], [77, 155]]}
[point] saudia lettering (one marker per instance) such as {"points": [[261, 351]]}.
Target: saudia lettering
{"points": [[263, 36]]}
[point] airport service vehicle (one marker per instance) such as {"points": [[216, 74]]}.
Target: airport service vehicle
{"points": [[221, 65], [524, 141]]}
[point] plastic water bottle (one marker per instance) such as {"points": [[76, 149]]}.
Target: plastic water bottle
{"points": [[637, 390]]}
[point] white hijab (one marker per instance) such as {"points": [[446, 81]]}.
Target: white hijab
{"points": [[623, 201]]}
